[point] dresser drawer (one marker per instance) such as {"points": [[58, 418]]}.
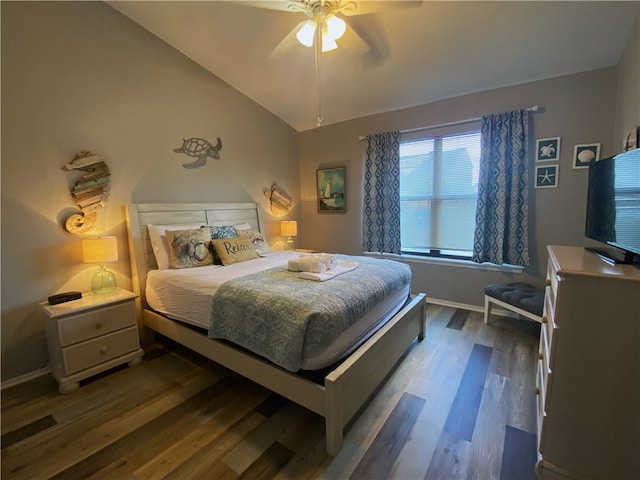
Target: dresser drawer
{"points": [[540, 405], [548, 325], [94, 323], [93, 352], [551, 283], [545, 361]]}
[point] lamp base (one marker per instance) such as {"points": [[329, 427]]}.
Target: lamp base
{"points": [[290, 245], [104, 281]]}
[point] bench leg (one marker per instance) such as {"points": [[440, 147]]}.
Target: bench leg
{"points": [[487, 309]]}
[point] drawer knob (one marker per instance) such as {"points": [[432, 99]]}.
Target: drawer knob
{"points": [[537, 391], [540, 356], [545, 319], [99, 325], [547, 282], [104, 349]]}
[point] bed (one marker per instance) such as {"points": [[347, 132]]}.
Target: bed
{"points": [[341, 391]]}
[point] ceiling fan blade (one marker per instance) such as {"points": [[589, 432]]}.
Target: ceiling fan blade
{"points": [[353, 42], [288, 42], [374, 6], [282, 5], [370, 33]]}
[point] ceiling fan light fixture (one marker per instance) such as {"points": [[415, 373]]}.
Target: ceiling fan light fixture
{"points": [[335, 26], [306, 33], [328, 43]]}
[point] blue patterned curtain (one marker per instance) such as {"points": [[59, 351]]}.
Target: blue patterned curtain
{"points": [[501, 234], [381, 223]]}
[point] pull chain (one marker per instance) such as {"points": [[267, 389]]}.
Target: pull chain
{"points": [[318, 46]]}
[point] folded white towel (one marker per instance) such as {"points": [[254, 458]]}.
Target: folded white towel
{"points": [[342, 267], [295, 265], [332, 260], [307, 263]]}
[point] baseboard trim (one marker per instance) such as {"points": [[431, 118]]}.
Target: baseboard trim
{"points": [[24, 378]]}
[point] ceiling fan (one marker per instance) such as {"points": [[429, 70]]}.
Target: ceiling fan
{"points": [[326, 24]]}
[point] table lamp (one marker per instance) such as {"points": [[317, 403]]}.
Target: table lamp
{"points": [[101, 250], [289, 228]]}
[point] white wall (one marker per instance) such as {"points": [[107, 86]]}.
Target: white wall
{"points": [[79, 75]]}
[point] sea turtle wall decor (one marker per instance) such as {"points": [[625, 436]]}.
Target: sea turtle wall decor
{"points": [[200, 149], [89, 191]]}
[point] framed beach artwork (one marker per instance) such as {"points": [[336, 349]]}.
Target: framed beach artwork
{"points": [[547, 176], [584, 154], [547, 149], [330, 187]]}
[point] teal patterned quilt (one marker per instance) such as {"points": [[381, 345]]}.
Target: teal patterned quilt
{"points": [[280, 316]]}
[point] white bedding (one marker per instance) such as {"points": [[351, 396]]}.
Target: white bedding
{"points": [[186, 295]]}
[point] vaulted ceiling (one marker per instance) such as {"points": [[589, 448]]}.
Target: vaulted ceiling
{"points": [[401, 57]]}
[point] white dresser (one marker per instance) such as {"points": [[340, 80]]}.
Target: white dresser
{"points": [[588, 379], [90, 335]]}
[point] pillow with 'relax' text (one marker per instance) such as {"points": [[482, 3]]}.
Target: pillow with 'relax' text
{"points": [[234, 250]]}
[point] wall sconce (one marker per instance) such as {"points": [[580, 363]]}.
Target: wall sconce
{"points": [[289, 228], [101, 250]]}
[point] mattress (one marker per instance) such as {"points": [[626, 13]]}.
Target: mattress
{"points": [[186, 295]]}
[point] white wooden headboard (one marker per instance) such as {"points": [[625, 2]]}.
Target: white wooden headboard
{"points": [[139, 215]]}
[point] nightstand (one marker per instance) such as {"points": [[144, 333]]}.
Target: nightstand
{"points": [[91, 335]]}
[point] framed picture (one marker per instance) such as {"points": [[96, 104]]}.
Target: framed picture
{"points": [[547, 176], [583, 155], [548, 149], [330, 187]]}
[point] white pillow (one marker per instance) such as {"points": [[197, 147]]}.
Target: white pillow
{"points": [[242, 226], [159, 242]]}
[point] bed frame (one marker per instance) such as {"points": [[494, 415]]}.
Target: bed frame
{"points": [[346, 389]]}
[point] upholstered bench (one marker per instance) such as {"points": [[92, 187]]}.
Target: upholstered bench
{"points": [[521, 298]]}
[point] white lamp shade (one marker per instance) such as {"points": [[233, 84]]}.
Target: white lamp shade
{"points": [[289, 228], [100, 249]]}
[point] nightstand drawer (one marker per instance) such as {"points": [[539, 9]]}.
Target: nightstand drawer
{"points": [[93, 352], [91, 324]]}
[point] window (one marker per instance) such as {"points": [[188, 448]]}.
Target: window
{"points": [[438, 194]]}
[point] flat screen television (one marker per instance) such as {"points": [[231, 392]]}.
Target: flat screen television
{"points": [[613, 206]]}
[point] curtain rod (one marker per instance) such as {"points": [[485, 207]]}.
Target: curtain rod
{"points": [[535, 108]]}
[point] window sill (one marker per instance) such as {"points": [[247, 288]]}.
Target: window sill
{"points": [[452, 262]]}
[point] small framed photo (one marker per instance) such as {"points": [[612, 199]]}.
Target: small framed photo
{"points": [[548, 149], [547, 176], [584, 154], [331, 190]]}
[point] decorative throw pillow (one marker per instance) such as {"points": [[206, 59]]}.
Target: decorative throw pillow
{"points": [[257, 240], [189, 248], [159, 245], [235, 249], [220, 231], [223, 231]]}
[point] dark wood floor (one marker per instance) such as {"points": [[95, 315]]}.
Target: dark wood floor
{"points": [[461, 405]]}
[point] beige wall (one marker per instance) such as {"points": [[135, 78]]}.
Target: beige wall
{"points": [[79, 75], [578, 108], [628, 94]]}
